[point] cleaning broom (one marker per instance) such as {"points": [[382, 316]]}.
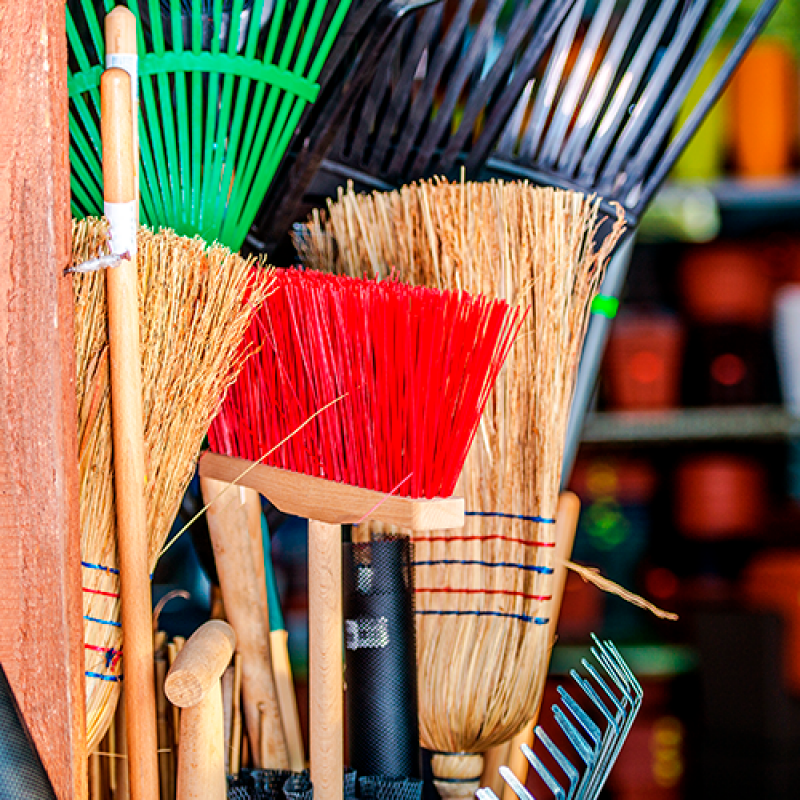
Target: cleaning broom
{"points": [[484, 596], [361, 360]]}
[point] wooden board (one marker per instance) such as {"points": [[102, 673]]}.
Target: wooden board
{"points": [[41, 630], [331, 502]]}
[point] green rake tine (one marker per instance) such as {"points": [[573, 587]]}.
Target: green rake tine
{"points": [[89, 149], [181, 116], [198, 110], [85, 189]]}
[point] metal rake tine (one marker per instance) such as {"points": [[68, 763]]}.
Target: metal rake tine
{"points": [[613, 669], [620, 705], [485, 793], [581, 717], [643, 109], [614, 116], [552, 784], [567, 768], [648, 149], [581, 746], [712, 93], [633, 683], [592, 695], [550, 82], [564, 112], [593, 103]]}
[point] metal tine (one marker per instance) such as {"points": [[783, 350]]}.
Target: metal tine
{"points": [[552, 784], [649, 148], [679, 142], [642, 111], [564, 112], [583, 719], [582, 747], [550, 83], [621, 706], [634, 75], [465, 69], [592, 695], [421, 106], [516, 785], [613, 666], [572, 774], [593, 103], [508, 140], [485, 793]]}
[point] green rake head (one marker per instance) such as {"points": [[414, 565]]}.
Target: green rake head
{"points": [[222, 87]]}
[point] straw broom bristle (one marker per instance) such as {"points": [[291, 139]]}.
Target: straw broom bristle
{"points": [[195, 304], [482, 670]]}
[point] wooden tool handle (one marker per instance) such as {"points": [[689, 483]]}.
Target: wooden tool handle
{"points": [[325, 659], [200, 664], [128, 440], [120, 31], [201, 757], [284, 685], [569, 507], [246, 608]]}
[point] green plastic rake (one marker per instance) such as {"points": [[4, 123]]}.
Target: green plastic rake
{"points": [[222, 86]]}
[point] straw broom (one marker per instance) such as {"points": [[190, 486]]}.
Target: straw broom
{"points": [[482, 634], [195, 304]]}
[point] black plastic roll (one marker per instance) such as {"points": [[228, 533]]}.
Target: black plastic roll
{"points": [[22, 774], [380, 658]]}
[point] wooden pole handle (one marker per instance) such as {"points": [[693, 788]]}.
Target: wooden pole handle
{"points": [[325, 659], [201, 757], [128, 438], [569, 507], [200, 664], [246, 608]]}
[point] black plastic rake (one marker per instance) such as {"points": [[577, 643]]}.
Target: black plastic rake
{"points": [[614, 696], [602, 119], [419, 110]]}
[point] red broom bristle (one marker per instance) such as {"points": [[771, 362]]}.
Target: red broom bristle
{"points": [[414, 368]]}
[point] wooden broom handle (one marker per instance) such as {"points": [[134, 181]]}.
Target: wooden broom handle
{"points": [[200, 663], [326, 683], [569, 507], [194, 684], [128, 440], [246, 608]]}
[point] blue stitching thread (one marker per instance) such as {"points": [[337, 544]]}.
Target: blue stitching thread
{"points": [[100, 567], [103, 621], [523, 517], [112, 678], [527, 567], [521, 617]]}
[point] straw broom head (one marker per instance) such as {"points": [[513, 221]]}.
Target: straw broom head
{"points": [[195, 303], [482, 632]]}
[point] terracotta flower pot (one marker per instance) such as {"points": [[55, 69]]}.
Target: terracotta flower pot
{"points": [[720, 496], [643, 361]]}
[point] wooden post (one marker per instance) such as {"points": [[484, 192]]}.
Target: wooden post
{"points": [[41, 630]]}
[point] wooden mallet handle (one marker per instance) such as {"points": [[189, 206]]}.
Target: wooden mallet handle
{"points": [[128, 437], [193, 683]]}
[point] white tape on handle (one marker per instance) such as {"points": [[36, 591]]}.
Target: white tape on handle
{"points": [[122, 222], [130, 63]]}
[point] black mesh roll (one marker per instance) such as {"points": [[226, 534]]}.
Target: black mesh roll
{"points": [[22, 774], [380, 658], [377, 787], [298, 786]]}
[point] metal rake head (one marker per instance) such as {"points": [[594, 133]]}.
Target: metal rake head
{"points": [[615, 697], [602, 116]]}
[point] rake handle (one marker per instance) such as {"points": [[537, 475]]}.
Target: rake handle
{"points": [[128, 438], [569, 507]]}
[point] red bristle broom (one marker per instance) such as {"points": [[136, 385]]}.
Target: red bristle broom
{"points": [[374, 391]]}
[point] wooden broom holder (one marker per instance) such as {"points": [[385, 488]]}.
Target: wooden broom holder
{"points": [[327, 505]]}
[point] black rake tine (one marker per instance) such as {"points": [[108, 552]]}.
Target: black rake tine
{"points": [[468, 63], [593, 104], [423, 102], [639, 164], [676, 146], [564, 113], [645, 105], [527, 63], [548, 88], [614, 116], [498, 71]]}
